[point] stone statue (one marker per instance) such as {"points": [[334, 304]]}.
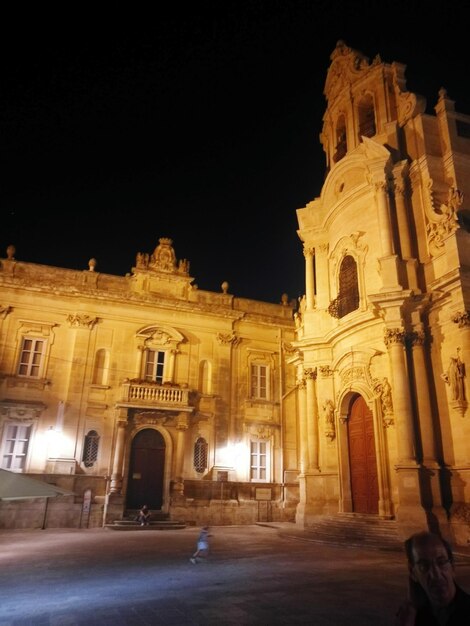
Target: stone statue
{"points": [[455, 377], [329, 411], [386, 396]]}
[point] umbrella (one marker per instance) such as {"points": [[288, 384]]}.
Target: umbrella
{"points": [[15, 486]]}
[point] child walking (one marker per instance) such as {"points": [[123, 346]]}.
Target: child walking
{"points": [[202, 550]]}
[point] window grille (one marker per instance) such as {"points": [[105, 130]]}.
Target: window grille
{"points": [[90, 448], [348, 296], [200, 455]]}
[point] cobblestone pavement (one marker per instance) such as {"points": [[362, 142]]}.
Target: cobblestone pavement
{"points": [[257, 575]]}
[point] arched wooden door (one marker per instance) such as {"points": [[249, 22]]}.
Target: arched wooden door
{"points": [[362, 458], [146, 470]]}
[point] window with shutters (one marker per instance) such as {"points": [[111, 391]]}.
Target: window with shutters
{"points": [[259, 460], [32, 357], [155, 366], [259, 387], [15, 445]]}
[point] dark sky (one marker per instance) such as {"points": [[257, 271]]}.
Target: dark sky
{"points": [[200, 124]]}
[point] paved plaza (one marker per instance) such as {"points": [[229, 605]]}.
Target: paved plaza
{"points": [[260, 575]]}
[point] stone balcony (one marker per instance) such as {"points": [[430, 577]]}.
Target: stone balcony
{"points": [[152, 395]]}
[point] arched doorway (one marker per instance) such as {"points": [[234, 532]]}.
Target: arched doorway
{"points": [[146, 469], [362, 458]]}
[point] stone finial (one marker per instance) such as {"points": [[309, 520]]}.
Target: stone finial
{"points": [[11, 252], [92, 265], [224, 286], [284, 299]]}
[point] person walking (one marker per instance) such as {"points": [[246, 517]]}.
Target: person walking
{"points": [[202, 547]]}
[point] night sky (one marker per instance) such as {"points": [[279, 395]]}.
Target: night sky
{"points": [[200, 124]]}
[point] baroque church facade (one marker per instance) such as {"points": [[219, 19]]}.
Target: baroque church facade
{"points": [[221, 410], [383, 333]]}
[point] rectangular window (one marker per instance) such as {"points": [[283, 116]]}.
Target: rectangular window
{"points": [[259, 382], [31, 358], [259, 459], [155, 366], [15, 446]]}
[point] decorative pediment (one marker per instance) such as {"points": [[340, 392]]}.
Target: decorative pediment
{"points": [[155, 337]]}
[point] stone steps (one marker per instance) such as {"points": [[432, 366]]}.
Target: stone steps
{"points": [[157, 525], [158, 521], [355, 530]]}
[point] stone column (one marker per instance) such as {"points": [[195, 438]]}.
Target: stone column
{"points": [[181, 428], [410, 512], [402, 219], [309, 254], [304, 463], [395, 340], [312, 418], [383, 212], [423, 400], [430, 471], [116, 476], [322, 276]]}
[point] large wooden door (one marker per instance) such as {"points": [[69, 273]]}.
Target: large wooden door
{"points": [[362, 458], [146, 469]]}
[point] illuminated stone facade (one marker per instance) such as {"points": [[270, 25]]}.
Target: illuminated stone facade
{"points": [[145, 389], [383, 332]]}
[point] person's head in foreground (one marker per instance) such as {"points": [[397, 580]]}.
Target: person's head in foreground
{"points": [[431, 565]]}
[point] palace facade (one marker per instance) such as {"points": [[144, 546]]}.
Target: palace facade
{"points": [[144, 389]]}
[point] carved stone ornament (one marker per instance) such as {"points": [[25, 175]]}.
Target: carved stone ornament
{"points": [[325, 371], [394, 336], [310, 373], [441, 216], [4, 310], [81, 320], [409, 104], [353, 374], [461, 512], [260, 431], [347, 66], [228, 338], [462, 319]]}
